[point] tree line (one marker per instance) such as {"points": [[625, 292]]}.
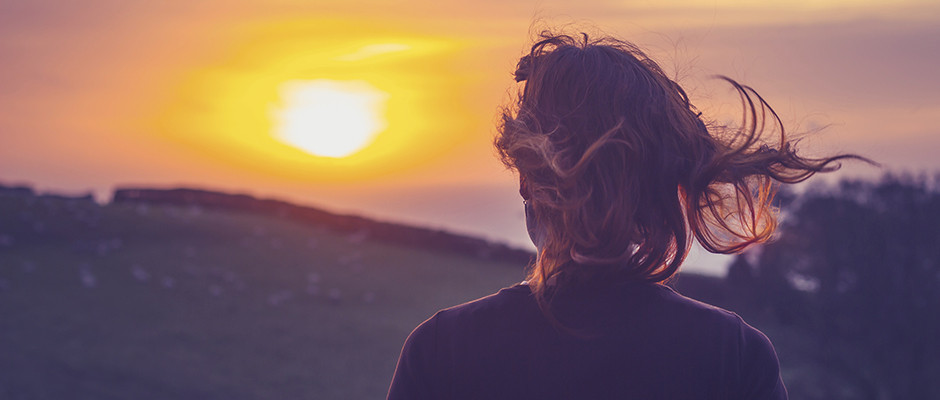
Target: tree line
{"points": [[856, 269]]}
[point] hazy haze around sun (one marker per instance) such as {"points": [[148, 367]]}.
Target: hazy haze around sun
{"points": [[329, 118]]}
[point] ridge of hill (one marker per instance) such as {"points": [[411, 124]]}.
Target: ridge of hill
{"points": [[359, 227]]}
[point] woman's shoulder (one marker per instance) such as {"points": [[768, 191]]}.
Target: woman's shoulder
{"points": [[651, 299], [755, 359], [505, 303], [657, 307], [507, 331], [683, 305]]}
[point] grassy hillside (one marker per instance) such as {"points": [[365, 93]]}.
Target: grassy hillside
{"points": [[155, 302], [137, 301]]}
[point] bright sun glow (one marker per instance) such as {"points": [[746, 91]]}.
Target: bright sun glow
{"points": [[329, 118]]}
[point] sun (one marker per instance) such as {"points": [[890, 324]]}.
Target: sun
{"points": [[329, 118]]}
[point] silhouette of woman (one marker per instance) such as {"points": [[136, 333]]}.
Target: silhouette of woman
{"points": [[618, 173]]}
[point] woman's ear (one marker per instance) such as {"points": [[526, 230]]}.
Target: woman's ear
{"points": [[523, 188]]}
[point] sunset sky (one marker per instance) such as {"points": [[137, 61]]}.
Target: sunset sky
{"points": [[100, 94]]}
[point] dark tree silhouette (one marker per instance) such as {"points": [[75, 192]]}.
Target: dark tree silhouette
{"points": [[858, 268]]}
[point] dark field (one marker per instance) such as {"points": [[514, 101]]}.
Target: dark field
{"points": [[159, 302]]}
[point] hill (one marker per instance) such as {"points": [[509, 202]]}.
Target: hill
{"points": [[436, 240], [189, 294], [154, 301]]}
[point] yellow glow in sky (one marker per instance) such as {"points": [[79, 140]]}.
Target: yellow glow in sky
{"points": [[373, 50], [293, 102], [329, 118]]}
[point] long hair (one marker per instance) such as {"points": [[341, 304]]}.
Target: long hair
{"points": [[620, 171]]}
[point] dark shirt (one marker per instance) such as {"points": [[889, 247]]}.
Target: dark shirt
{"points": [[632, 341]]}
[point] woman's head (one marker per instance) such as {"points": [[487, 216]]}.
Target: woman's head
{"points": [[619, 171]]}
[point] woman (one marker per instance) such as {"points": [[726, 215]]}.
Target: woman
{"points": [[618, 172]]}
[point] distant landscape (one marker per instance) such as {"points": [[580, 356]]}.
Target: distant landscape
{"points": [[155, 301], [188, 294]]}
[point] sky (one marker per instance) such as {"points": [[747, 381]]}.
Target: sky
{"points": [[101, 94]]}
